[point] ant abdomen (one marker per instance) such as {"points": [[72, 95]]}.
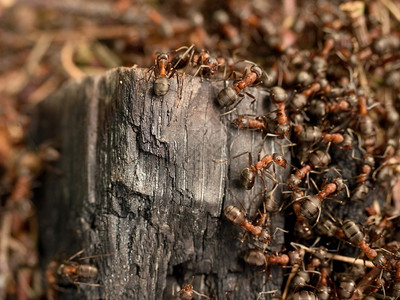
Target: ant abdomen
{"points": [[310, 208], [255, 257], [247, 178], [346, 288], [234, 214], [161, 86], [227, 96], [352, 232], [87, 271]]}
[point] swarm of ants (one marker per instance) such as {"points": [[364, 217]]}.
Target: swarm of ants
{"points": [[331, 70], [328, 103]]}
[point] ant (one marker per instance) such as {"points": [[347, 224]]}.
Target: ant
{"points": [[317, 159], [282, 124], [313, 134], [320, 108], [72, 270], [208, 65], [187, 292], [362, 189], [264, 220], [227, 96], [258, 123], [257, 257], [300, 100], [238, 217], [162, 67], [366, 126], [355, 236], [248, 175], [365, 283], [311, 206]]}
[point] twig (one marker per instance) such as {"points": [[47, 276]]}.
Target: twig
{"points": [[67, 61], [37, 53], [392, 8], [342, 258]]}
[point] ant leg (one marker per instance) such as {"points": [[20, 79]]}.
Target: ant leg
{"points": [[191, 48], [250, 159], [270, 176], [233, 108], [97, 255], [76, 254], [149, 71], [265, 293], [314, 184], [263, 180], [172, 73], [251, 96], [256, 84], [78, 283], [198, 70], [236, 156], [201, 295]]}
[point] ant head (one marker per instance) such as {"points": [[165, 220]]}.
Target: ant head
{"points": [[162, 56], [211, 61], [279, 160], [340, 183], [369, 160], [256, 69]]}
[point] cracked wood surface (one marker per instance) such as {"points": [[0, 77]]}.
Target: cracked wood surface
{"points": [[137, 179]]}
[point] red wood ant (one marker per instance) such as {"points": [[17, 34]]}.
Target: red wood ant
{"points": [[257, 257], [238, 217], [207, 64], [317, 159], [282, 124], [74, 270], [300, 100], [248, 175], [313, 134], [187, 292], [356, 237], [227, 96], [362, 189], [366, 126], [162, 68], [258, 123], [71, 270], [311, 206]]}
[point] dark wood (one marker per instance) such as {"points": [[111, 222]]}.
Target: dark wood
{"points": [[137, 179]]}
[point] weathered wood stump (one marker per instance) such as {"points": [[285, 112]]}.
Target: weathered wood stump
{"points": [[146, 178], [139, 177]]}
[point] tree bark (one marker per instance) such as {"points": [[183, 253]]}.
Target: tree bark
{"points": [[139, 179]]}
